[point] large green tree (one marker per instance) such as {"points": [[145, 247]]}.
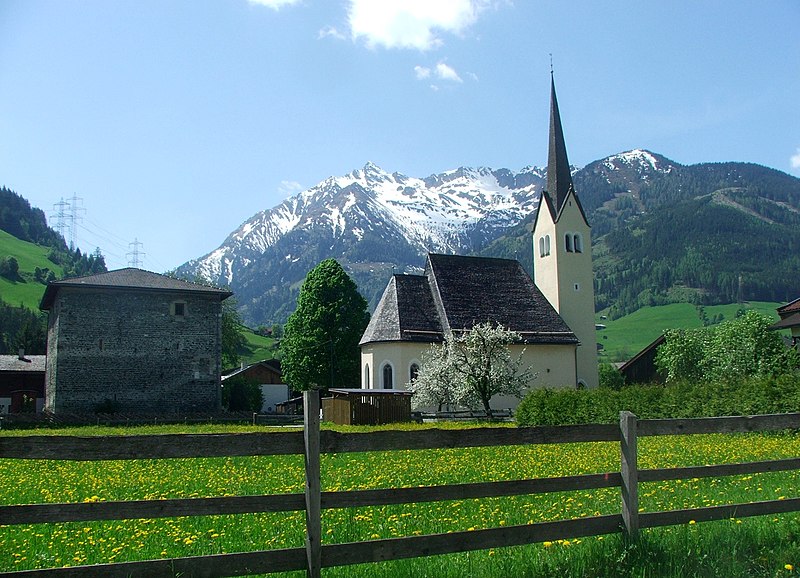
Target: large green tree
{"points": [[320, 344], [233, 339]]}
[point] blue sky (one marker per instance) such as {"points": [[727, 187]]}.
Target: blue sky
{"points": [[174, 121]]}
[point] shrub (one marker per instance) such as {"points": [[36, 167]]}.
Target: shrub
{"points": [[746, 396], [241, 394], [9, 268], [610, 376]]}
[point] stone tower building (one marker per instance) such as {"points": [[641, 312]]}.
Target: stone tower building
{"points": [[132, 341]]}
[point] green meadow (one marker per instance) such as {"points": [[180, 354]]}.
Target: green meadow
{"points": [[625, 337], [26, 290], [763, 546]]}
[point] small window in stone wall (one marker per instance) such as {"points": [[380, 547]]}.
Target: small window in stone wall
{"points": [[178, 309]]}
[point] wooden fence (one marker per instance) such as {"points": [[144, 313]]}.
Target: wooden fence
{"points": [[311, 443]]}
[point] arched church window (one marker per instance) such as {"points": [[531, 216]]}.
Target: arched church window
{"points": [[541, 247], [578, 243], [366, 376], [387, 377], [413, 372], [547, 245], [568, 242]]}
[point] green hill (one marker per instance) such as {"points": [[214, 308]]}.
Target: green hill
{"points": [[624, 337], [31, 254], [26, 290], [257, 347]]}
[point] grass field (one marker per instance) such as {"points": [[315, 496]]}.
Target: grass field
{"points": [[257, 347], [624, 337], [767, 546], [29, 256]]}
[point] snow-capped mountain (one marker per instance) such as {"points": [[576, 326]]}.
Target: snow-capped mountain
{"points": [[375, 223], [368, 219]]}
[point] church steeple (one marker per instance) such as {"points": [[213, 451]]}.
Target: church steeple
{"points": [[559, 179], [562, 251]]}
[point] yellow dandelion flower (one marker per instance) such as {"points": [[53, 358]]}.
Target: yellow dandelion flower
{"points": [[789, 567]]}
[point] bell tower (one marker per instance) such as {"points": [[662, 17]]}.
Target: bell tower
{"points": [[562, 251]]}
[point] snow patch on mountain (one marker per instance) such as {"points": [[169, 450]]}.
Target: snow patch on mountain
{"points": [[438, 213], [639, 159]]}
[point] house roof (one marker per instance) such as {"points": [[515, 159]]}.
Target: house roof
{"points": [[30, 363], [406, 312], [375, 392], [130, 278], [456, 293], [272, 364], [787, 322], [791, 307], [649, 348]]}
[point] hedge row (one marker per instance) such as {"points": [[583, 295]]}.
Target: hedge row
{"points": [[602, 405]]}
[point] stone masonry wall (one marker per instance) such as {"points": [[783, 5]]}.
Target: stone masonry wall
{"points": [[129, 348]]}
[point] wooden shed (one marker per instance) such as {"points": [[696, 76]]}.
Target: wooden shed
{"points": [[641, 368], [367, 406]]}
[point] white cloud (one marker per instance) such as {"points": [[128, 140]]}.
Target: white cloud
{"points": [[446, 72], [795, 160], [422, 72], [274, 4], [441, 71], [410, 23], [330, 31], [289, 188]]}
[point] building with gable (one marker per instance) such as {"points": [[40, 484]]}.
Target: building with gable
{"points": [[22, 383], [554, 315], [790, 319], [132, 341]]}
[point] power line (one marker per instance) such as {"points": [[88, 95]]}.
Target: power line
{"points": [[122, 242]]}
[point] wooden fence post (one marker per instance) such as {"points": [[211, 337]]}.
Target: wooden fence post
{"points": [[311, 406], [630, 474]]}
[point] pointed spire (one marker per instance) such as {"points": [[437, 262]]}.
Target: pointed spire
{"points": [[559, 180]]}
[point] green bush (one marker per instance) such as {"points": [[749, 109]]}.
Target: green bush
{"points": [[610, 376], [240, 394], [747, 396]]}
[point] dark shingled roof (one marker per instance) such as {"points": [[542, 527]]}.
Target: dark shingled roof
{"points": [[129, 278], [456, 293], [406, 312], [473, 290]]}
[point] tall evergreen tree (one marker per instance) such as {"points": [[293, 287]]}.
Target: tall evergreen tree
{"points": [[320, 346]]}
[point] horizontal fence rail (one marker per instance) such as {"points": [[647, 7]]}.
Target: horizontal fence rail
{"points": [[312, 443]]}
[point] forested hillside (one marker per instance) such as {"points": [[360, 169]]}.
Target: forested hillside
{"points": [[704, 234], [31, 254], [709, 233]]}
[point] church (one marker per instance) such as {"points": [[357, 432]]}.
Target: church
{"points": [[553, 312]]}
